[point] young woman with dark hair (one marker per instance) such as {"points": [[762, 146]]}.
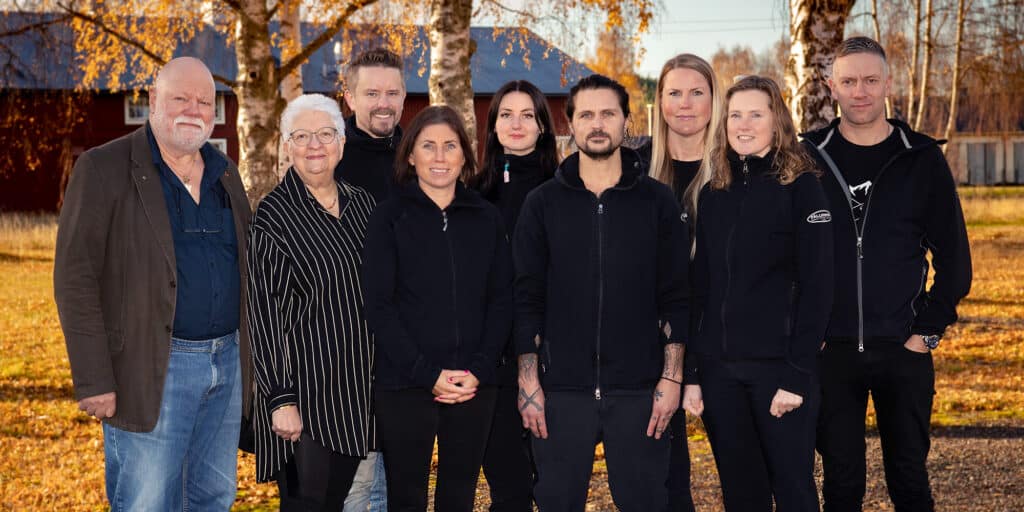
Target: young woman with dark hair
{"points": [[519, 155], [437, 280], [763, 290]]}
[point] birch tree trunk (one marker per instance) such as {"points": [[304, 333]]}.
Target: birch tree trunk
{"points": [[259, 104], [291, 34], [954, 93], [450, 50], [816, 29], [929, 48], [912, 85], [878, 38], [291, 84]]}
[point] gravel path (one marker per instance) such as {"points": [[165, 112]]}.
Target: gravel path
{"points": [[973, 469]]}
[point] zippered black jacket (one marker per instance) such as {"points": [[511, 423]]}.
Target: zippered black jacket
{"points": [[881, 271], [369, 162], [437, 286], [597, 278], [763, 272]]}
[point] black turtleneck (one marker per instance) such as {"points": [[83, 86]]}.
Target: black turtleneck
{"points": [[524, 174], [684, 173], [368, 162]]}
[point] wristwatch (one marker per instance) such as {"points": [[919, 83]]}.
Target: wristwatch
{"points": [[932, 341]]}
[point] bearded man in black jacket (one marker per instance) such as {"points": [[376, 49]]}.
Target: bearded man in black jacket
{"points": [[601, 255], [375, 92], [893, 200]]}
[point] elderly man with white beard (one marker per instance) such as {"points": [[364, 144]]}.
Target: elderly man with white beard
{"points": [[149, 280]]}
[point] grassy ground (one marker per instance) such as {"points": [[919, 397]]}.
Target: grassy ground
{"points": [[53, 456]]}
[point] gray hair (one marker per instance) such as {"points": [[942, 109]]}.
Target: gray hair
{"points": [[860, 44], [314, 102]]}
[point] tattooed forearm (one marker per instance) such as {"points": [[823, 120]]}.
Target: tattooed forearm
{"points": [[673, 361], [528, 399], [528, 368]]}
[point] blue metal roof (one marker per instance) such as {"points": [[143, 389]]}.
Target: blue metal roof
{"points": [[44, 59]]}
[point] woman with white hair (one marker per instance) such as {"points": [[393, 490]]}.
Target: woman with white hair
{"points": [[312, 348]]}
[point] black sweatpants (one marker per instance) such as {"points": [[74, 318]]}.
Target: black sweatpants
{"points": [[507, 464], [408, 420], [758, 455], [316, 478], [679, 497], [576, 421], [902, 384]]}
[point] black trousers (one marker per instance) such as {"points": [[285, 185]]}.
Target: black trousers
{"points": [[576, 421], [679, 497], [758, 455], [507, 464], [902, 384], [316, 478], [408, 421]]}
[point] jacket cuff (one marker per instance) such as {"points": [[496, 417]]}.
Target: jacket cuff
{"points": [[691, 374], [795, 380], [482, 370], [425, 375], [524, 341], [280, 398]]}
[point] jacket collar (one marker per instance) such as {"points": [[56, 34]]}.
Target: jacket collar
{"points": [[147, 183], [912, 140], [464, 196], [368, 142], [633, 171]]}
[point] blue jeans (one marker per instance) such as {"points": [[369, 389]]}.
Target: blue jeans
{"points": [[369, 492], [188, 462]]}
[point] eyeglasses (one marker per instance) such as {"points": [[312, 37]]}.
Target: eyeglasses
{"points": [[304, 137]]}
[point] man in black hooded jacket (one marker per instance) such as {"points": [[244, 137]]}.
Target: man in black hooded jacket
{"points": [[601, 255], [893, 200]]}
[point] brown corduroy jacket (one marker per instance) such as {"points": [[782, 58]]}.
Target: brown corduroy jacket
{"points": [[114, 278]]}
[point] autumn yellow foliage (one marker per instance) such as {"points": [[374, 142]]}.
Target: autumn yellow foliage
{"points": [[52, 455]]}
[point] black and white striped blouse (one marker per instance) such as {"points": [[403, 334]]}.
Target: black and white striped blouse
{"points": [[311, 344]]}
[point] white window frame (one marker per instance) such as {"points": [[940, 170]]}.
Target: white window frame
{"points": [[218, 109], [221, 144]]}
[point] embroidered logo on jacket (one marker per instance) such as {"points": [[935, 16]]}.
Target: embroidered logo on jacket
{"points": [[819, 217]]}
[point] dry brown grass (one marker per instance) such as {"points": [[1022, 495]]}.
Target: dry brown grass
{"points": [[53, 457]]}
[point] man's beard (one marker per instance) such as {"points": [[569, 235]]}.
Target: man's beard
{"points": [[602, 154], [185, 142], [390, 126]]}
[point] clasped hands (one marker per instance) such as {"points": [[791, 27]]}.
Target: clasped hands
{"points": [[455, 386]]}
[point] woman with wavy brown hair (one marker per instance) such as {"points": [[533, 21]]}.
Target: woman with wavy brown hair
{"points": [[762, 294]]}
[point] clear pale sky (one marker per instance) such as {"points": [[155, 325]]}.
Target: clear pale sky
{"points": [[701, 27]]}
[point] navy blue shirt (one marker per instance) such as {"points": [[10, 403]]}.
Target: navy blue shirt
{"points": [[205, 248]]}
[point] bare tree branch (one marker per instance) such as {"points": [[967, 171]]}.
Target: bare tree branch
{"points": [[138, 45], [299, 58], [35, 26]]}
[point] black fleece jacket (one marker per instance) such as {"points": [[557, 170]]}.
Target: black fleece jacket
{"points": [[763, 272], [437, 285], [600, 279], [369, 162], [881, 270]]}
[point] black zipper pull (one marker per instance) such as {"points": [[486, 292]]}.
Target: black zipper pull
{"points": [[600, 208], [444, 220], [860, 248], [746, 172]]}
